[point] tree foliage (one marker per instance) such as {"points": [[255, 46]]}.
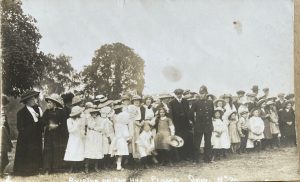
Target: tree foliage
{"points": [[60, 75], [115, 69], [22, 62]]}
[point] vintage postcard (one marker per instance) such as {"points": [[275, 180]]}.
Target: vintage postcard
{"points": [[140, 90]]}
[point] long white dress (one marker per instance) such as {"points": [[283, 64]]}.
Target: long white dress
{"points": [[256, 130], [220, 136], [75, 146], [119, 145], [108, 133], [145, 143], [93, 139]]}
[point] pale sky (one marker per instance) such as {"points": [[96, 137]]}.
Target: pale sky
{"points": [[197, 38]]}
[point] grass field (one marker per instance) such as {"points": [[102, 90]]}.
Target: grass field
{"points": [[278, 164]]}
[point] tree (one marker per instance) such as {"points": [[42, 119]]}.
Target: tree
{"points": [[22, 63], [115, 69], [60, 76]]}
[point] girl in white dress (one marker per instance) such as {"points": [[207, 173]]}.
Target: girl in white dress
{"points": [[145, 143], [93, 149], [119, 145], [108, 134], [256, 129], [220, 137], [75, 147]]}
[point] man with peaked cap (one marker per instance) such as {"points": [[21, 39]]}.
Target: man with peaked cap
{"points": [[28, 157], [280, 103], [203, 126], [179, 113], [251, 101], [266, 94], [241, 98], [255, 90]]}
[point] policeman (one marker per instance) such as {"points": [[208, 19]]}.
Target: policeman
{"points": [[203, 110]]}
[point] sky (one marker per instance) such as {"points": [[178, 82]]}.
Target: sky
{"points": [[226, 45]]}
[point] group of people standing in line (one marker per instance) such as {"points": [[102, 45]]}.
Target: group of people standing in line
{"points": [[137, 132]]}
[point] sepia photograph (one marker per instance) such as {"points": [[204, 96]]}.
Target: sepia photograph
{"points": [[143, 90]]}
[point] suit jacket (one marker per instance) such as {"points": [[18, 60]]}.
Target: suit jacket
{"points": [[179, 113], [279, 105], [204, 110]]}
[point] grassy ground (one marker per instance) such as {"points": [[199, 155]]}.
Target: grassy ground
{"points": [[278, 164]]}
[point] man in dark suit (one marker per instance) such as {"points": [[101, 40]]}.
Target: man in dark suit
{"points": [[28, 157], [280, 103], [179, 113], [204, 110]]}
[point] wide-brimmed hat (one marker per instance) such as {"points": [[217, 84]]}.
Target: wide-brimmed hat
{"points": [[117, 104], [240, 92], [219, 109], [231, 113], [255, 88], [27, 95], [136, 97], [289, 96], [176, 141], [76, 110], [254, 109], [76, 100], [89, 105], [93, 110], [55, 98], [106, 110], [97, 99], [226, 96], [242, 110], [104, 102], [270, 102], [211, 95], [148, 97], [178, 91], [261, 101], [220, 100], [165, 96], [289, 102], [125, 97]]}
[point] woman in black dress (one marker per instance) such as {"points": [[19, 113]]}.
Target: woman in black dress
{"points": [[28, 157], [287, 122], [54, 120]]}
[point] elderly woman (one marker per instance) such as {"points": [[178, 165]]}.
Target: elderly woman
{"points": [[28, 158], [54, 120]]}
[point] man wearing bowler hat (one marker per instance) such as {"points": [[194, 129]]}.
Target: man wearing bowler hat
{"points": [[204, 110], [179, 113]]}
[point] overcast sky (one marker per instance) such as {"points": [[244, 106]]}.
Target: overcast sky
{"points": [[224, 44]]}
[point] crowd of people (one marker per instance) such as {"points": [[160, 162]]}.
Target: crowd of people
{"points": [[137, 132]]}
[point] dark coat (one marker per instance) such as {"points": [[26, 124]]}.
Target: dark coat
{"points": [[179, 113], [204, 110], [279, 105], [287, 116], [55, 141], [251, 105], [28, 157]]}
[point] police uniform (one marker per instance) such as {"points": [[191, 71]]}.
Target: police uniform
{"points": [[204, 110]]}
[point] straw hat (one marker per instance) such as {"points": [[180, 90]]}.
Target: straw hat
{"points": [[219, 109], [97, 99], [254, 109], [230, 113], [76, 100], [218, 100], [125, 97], [211, 95], [226, 96], [89, 105], [27, 95], [148, 97], [55, 98], [136, 97], [176, 141], [270, 102], [105, 110], [165, 96], [92, 110], [104, 104], [76, 110]]}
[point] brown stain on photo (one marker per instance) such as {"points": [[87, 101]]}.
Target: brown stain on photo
{"points": [[238, 26]]}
